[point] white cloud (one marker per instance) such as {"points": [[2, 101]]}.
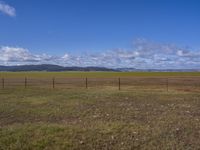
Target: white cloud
{"points": [[65, 57], [7, 9], [16, 55], [144, 55]]}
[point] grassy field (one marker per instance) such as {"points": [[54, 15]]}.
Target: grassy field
{"points": [[102, 117], [98, 74]]}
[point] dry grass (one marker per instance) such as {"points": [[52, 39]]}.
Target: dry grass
{"points": [[143, 115]]}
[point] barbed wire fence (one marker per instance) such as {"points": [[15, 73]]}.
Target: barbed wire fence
{"points": [[120, 83]]}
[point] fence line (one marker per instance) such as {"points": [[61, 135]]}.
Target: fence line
{"points": [[93, 82]]}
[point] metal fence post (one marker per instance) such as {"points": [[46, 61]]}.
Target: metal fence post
{"points": [[167, 84], [25, 82], [3, 82], [119, 84], [53, 82], [86, 83]]}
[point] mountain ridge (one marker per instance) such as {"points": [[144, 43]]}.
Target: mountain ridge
{"points": [[49, 67], [57, 68]]}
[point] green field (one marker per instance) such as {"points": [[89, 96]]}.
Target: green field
{"points": [[97, 74], [143, 115]]}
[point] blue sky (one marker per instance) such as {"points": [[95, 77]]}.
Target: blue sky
{"points": [[110, 33]]}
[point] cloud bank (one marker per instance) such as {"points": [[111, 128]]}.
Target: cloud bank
{"points": [[143, 55], [7, 9]]}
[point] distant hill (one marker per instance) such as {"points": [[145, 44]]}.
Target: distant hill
{"points": [[156, 70], [47, 67]]}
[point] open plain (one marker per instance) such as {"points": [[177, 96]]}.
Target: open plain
{"points": [[96, 110]]}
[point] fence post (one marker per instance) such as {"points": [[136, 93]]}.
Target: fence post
{"points": [[119, 84], [53, 82], [3, 82], [86, 83], [167, 84], [25, 82]]}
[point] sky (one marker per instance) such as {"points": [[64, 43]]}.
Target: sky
{"points": [[143, 34]]}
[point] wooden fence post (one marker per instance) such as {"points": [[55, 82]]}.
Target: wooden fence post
{"points": [[3, 82], [119, 84], [25, 82], [86, 83], [53, 82]]}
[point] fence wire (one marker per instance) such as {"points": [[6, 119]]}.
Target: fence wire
{"points": [[128, 83]]}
